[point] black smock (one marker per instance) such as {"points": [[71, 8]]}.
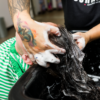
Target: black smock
{"points": [[81, 14]]}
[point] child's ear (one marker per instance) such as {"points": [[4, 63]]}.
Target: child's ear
{"points": [[26, 59]]}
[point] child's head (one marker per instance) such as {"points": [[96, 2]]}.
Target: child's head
{"points": [[21, 50]]}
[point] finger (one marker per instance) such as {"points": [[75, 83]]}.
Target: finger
{"points": [[54, 30], [76, 36], [77, 33], [44, 57], [51, 29], [81, 42], [55, 51], [80, 46], [40, 60], [52, 45], [48, 57]]}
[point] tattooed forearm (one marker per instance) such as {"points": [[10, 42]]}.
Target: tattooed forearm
{"points": [[18, 5], [26, 33]]}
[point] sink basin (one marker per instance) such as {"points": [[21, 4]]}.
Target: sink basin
{"points": [[32, 83]]}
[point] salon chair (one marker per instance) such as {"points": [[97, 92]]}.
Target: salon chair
{"points": [[36, 78]]}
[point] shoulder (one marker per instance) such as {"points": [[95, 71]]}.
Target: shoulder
{"points": [[5, 51]]}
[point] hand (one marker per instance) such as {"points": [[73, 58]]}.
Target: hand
{"points": [[50, 23], [81, 39], [34, 36]]}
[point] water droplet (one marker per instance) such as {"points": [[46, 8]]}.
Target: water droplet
{"points": [[92, 68], [95, 79], [72, 56], [99, 66]]}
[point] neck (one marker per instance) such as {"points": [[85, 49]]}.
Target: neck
{"points": [[18, 49]]}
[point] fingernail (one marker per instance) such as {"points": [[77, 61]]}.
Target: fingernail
{"points": [[60, 52], [63, 50], [58, 33]]}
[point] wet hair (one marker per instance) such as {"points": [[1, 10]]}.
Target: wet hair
{"points": [[71, 81]]}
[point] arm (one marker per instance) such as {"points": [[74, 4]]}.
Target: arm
{"points": [[17, 7], [93, 33], [34, 35]]}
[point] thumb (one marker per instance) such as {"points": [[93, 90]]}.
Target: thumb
{"points": [[81, 43], [76, 36]]}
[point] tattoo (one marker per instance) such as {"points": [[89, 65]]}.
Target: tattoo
{"points": [[26, 33], [18, 5]]}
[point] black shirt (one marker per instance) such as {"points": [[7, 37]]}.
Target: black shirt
{"points": [[81, 14]]}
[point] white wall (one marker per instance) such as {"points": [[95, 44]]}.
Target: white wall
{"points": [[36, 6], [31, 11], [4, 12], [54, 3]]}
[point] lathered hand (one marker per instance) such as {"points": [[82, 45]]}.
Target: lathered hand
{"points": [[80, 41]]}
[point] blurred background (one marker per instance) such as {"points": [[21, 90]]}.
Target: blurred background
{"points": [[40, 10]]}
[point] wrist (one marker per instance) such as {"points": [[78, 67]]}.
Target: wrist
{"points": [[87, 37], [24, 16]]}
